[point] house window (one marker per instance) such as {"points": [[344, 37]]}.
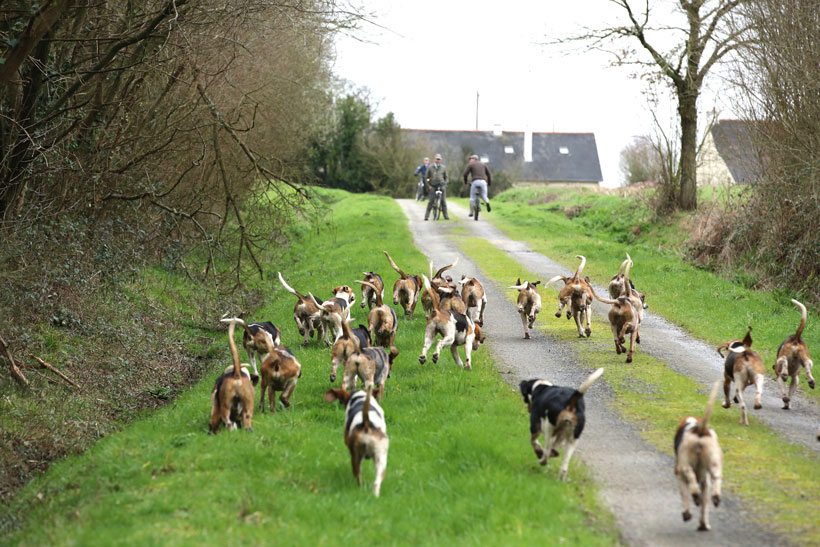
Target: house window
{"points": [[509, 150], [564, 150], [485, 159]]}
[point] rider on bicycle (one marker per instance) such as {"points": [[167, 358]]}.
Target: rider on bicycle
{"points": [[437, 177], [481, 178], [421, 172]]}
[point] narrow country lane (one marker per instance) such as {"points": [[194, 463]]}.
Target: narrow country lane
{"points": [[635, 479]]}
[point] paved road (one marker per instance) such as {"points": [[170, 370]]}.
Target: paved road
{"points": [[636, 480]]}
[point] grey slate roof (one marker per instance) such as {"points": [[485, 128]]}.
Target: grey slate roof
{"points": [[579, 164], [734, 143]]}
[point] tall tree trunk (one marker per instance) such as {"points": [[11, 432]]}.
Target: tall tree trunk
{"points": [[687, 109]]}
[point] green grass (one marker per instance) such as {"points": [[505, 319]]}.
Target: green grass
{"points": [[776, 479], [708, 306], [460, 468]]}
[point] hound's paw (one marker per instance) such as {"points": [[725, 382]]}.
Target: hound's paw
{"points": [[562, 475], [422, 359], [704, 527], [696, 498], [621, 340], [362, 304], [332, 378], [539, 452], [758, 406], [588, 332], [435, 357], [716, 500], [526, 336], [811, 384], [558, 314], [301, 332], [569, 315], [543, 461], [629, 359], [395, 302], [725, 404], [554, 453], [637, 339], [687, 516]]}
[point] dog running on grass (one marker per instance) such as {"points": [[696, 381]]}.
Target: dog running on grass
{"points": [[365, 432], [529, 303], [699, 463], [381, 321], [369, 292], [280, 372], [577, 294], [255, 339], [304, 312], [405, 290], [558, 413], [744, 367], [344, 347], [233, 392], [436, 280], [793, 355], [456, 329]]}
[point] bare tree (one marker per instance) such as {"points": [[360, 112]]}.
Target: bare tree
{"points": [[703, 38]]}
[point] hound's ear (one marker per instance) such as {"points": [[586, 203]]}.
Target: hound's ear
{"points": [[586, 278], [536, 283], [518, 281]]}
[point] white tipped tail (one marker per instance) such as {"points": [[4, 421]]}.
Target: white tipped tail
{"points": [[553, 280], [591, 380], [802, 319], [519, 287], [425, 281], [580, 269], [288, 287], [704, 423]]}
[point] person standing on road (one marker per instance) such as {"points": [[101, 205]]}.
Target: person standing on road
{"points": [[481, 179], [421, 172], [437, 177]]}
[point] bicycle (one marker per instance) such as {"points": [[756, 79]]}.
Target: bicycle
{"points": [[420, 193], [475, 207], [437, 205]]}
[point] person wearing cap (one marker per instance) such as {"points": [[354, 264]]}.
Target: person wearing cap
{"points": [[480, 174], [437, 177], [421, 172]]}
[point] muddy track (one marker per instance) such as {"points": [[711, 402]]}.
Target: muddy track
{"points": [[635, 479]]}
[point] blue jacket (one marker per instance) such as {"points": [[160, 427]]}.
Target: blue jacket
{"points": [[421, 170]]}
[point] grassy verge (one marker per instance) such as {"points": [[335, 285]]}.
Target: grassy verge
{"points": [[708, 306], [776, 479], [460, 469]]}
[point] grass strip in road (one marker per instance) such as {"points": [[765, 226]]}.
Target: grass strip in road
{"points": [[460, 469], [707, 306], [777, 479]]}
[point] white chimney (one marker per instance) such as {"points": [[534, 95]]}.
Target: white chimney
{"points": [[527, 144], [497, 130]]}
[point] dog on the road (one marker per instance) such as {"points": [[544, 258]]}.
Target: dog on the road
{"points": [[793, 355], [529, 303], [625, 317], [558, 413], [577, 294], [744, 367], [616, 284], [699, 463], [365, 432], [475, 300]]}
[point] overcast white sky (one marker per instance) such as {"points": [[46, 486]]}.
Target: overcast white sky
{"points": [[429, 59]]}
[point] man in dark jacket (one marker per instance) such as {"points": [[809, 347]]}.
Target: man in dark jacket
{"points": [[481, 179], [421, 172], [437, 177]]}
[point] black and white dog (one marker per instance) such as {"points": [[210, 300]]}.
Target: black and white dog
{"points": [[558, 412], [365, 432]]}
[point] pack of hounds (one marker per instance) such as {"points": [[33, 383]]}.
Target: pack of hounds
{"points": [[454, 312]]}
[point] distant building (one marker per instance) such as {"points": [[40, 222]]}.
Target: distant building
{"points": [[548, 157], [728, 155]]}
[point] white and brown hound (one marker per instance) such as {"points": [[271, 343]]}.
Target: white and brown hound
{"points": [[529, 303], [699, 463], [406, 289], [456, 329], [744, 367], [577, 294], [793, 355]]}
